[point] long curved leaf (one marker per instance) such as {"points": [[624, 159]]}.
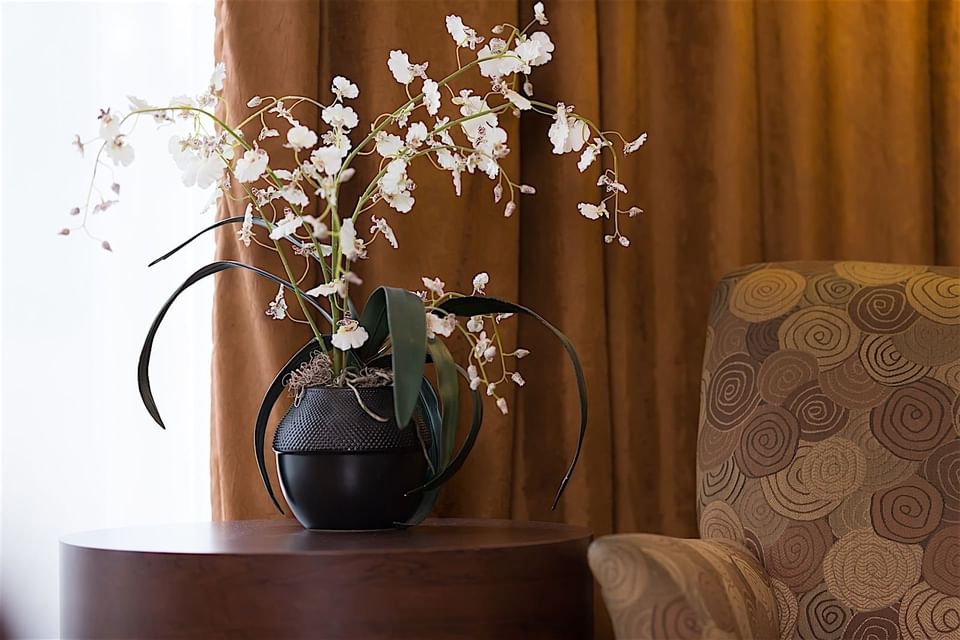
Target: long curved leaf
{"points": [[274, 391], [143, 366], [449, 387], [324, 248], [407, 326], [482, 305], [373, 318], [430, 407], [476, 421]]}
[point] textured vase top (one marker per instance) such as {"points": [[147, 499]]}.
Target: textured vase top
{"points": [[829, 442], [332, 420]]}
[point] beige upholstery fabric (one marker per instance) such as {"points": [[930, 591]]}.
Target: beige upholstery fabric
{"points": [[829, 446], [672, 589]]}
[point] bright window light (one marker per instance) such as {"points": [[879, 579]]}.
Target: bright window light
{"points": [[77, 449]]}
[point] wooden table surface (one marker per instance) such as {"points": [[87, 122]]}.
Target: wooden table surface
{"points": [[273, 579]]}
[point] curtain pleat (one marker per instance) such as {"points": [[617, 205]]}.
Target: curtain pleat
{"points": [[778, 131]]}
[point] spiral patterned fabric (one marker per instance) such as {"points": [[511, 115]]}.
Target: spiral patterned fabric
{"points": [[882, 309], [869, 572], [828, 453], [670, 589], [825, 332]]}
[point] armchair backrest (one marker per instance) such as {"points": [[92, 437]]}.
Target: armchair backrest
{"points": [[829, 442]]}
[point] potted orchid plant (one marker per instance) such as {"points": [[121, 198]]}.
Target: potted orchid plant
{"points": [[363, 406]]}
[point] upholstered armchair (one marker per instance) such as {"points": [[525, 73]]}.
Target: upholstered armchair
{"points": [[828, 466]]}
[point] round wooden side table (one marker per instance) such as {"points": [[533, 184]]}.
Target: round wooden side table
{"points": [[271, 579]]}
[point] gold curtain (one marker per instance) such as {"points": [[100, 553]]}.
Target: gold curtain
{"points": [[778, 131]]}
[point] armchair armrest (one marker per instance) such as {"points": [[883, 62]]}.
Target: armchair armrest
{"points": [[670, 588]]}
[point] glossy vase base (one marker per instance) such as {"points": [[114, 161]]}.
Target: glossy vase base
{"points": [[362, 491]]}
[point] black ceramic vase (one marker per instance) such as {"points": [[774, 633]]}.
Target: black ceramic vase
{"points": [[342, 469]]}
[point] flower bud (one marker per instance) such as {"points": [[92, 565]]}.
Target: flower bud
{"points": [[491, 389], [64, 232], [608, 239], [75, 211], [254, 101], [511, 207], [521, 353], [527, 189], [502, 405], [490, 353], [624, 241]]}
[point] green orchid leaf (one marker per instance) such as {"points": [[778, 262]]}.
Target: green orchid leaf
{"points": [[482, 305], [476, 421], [260, 222], [373, 318], [429, 406], [448, 383], [143, 366], [274, 391], [407, 328]]}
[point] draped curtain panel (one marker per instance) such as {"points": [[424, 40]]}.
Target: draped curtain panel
{"points": [[778, 131]]}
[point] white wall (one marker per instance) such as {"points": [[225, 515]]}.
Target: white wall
{"points": [[77, 449]]}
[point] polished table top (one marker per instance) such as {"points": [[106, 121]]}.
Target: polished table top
{"points": [[286, 536], [446, 579]]}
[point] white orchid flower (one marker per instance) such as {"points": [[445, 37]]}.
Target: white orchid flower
{"points": [[245, 235], [417, 133], [434, 285], [388, 144], [340, 116], [444, 326], [286, 227], [480, 282], [539, 15], [431, 96], [463, 35], [294, 195], [343, 88], [632, 146], [593, 211], [300, 137], [120, 151], [400, 67], [278, 308], [326, 160], [519, 101], [349, 335], [353, 248], [251, 165], [379, 224]]}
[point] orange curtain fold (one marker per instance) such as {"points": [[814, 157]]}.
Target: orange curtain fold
{"points": [[778, 131]]}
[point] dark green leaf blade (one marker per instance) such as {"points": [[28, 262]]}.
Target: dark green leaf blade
{"points": [[235, 220], [407, 322], [476, 421], [143, 366], [429, 406], [274, 391], [449, 387], [373, 318], [481, 305]]}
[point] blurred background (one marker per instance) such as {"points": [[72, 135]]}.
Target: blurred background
{"points": [[819, 129], [78, 450]]}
